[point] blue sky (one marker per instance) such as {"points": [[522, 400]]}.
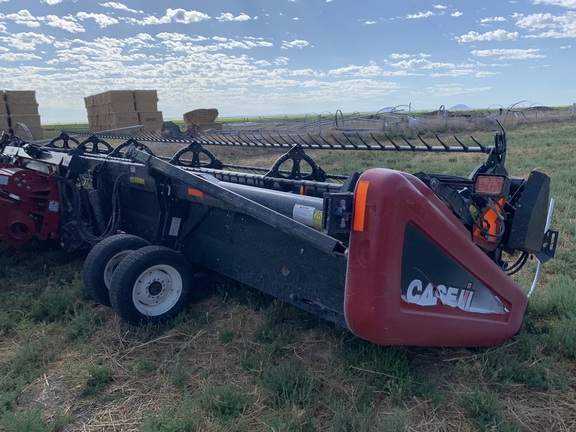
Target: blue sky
{"points": [[274, 57]]}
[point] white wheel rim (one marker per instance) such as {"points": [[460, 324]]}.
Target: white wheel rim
{"points": [[112, 264], [157, 290]]}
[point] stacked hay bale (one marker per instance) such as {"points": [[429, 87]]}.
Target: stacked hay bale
{"points": [[4, 124], [116, 109], [204, 118], [146, 104], [20, 107], [111, 110]]}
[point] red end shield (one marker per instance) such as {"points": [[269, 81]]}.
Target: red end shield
{"points": [[415, 277]]}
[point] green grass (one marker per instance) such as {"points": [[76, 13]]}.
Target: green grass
{"points": [[239, 360]]}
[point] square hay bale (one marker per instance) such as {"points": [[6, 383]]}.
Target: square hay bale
{"points": [[36, 132], [31, 121], [152, 121], [94, 124], [93, 119], [146, 106], [89, 101], [119, 120], [113, 96], [145, 100], [201, 116], [22, 109], [92, 110], [210, 126], [4, 126], [122, 106], [20, 97], [145, 95]]}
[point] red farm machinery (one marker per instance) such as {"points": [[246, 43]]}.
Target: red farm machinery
{"points": [[397, 258]]}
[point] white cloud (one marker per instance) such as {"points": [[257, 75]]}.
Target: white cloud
{"points": [[18, 57], [537, 21], [515, 54], [294, 44], [67, 23], [51, 2], [186, 17], [570, 4], [229, 17], [262, 63], [27, 41], [101, 19], [419, 15], [491, 36], [281, 61], [421, 63], [22, 17], [119, 6], [493, 19], [452, 73], [446, 90], [370, 22], [399, 56], [180, 37], [486, 74], [456, 14], [438, 6], [353, 70], [175, 15], [2, 27], [305, 72], [549, 25]]}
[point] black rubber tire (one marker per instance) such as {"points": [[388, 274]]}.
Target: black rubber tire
{"points": [[151, 285], [98, 266]]}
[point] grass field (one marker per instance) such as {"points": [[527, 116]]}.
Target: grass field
{"points": [[238, 360]]}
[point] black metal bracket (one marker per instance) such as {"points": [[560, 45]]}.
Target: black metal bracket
{"points": [[548, 246], [118, 151], [197, 150], [93, 145], [63, 141], [296, 155]]}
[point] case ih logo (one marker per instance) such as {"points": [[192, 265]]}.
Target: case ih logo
{"points": [[430, 295]]}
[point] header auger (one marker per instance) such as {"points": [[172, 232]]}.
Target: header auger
{"points": [[397, 258]]}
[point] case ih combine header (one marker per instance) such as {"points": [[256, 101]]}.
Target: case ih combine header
{"points": [[398, 258]]}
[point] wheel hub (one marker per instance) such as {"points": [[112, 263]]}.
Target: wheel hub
{"points": [[157, 290]]}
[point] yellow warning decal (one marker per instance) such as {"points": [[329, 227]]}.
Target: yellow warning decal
{"points": [[137, 180], [317, 220]]}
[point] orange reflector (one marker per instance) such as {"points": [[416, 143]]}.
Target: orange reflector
{"points": [[360, 205], [196, 192], [493, 185]]}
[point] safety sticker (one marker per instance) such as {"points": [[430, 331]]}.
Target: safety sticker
{"points": [[137, 180], [53, 206], [307, 215], [174, 226]]}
